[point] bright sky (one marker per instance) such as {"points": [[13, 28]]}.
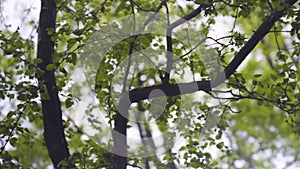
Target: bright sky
{"points": [[13, 9]]}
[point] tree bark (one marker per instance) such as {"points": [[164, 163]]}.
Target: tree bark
{"points": [[120, 133], [54, 136]]}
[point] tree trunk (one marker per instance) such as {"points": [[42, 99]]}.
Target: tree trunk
{"points": [[120, 133], [51, 107]]}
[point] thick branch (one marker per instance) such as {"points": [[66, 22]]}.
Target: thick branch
{"points": [[185, 88], [264, 28]]}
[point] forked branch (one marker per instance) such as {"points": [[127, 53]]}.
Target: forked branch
{"points": [[136, 95]]}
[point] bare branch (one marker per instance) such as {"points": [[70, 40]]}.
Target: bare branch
{"points": [[169, 39]]}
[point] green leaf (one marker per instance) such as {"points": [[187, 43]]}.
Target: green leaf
{"points": [[71, 43], [69, 102], [45, 96], [257, 75], [50, 67], [13, 141], [20, 106], [78, 32], [166, 157], [195, 164], [50, 31], [203, 107], [220, 145], [200, 1], [37, 60]]}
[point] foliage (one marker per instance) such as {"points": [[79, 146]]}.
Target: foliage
{"points": [[251, 118]]}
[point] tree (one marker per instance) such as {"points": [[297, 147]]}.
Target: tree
{"points": [[146, 63]]}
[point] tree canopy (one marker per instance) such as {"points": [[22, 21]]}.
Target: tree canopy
{"points": [[151, 84]]}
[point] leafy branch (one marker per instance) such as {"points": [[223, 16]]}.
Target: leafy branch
{"points": [[207, 85]]}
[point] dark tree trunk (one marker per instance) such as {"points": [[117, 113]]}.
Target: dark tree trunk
{"points": [[51, 107]]}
